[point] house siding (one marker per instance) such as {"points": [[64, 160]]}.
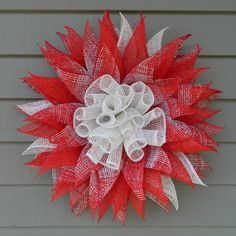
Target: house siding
{"points": [[25, 208]]}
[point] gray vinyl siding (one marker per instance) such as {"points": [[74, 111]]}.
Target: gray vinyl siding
{"points": [[25, 208]]}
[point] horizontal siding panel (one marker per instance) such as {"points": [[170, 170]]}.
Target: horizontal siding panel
{"points": [[215, 32], [159, 5], [202, 207], [222, 73], [25, 199], [134, 231], [12, 168], [14, 172], [10, 120]]}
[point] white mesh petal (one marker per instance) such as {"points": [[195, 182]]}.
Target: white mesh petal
{"points": [[125, 34], [190, 169], [154, 44], [38, 146], [34, 107], [169, 189]]}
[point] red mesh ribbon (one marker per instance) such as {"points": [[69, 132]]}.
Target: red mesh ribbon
{"points": [[171, 78]]}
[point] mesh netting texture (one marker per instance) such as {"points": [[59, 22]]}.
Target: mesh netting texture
{"points": [[121, 119]]}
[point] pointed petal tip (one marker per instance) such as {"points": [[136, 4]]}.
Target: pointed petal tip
{"points": [[16, 108], [27, 163], [184, 37], [67, 27], [52, 199], [24, 153], [42, 48], [198, 47]]}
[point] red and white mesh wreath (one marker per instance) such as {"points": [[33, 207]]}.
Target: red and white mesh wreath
{"points": [[122, 119]]}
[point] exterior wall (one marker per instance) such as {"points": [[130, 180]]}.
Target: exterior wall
{"points": [[25, 208]]}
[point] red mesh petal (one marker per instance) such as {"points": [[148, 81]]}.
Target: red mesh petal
{"points": [[50, 88], [67, 138], [199, 115], [60, 189], [136, 50], [108, 39], [190, 115], [77, 84], [188, 145], [193, 94], [106, 64], [193, 74], [47, 121], [84, 166], [64, 39], [178, 170], [184, 63], [38, 129], [106, 20], [153, 188], [103, 206], [83, 203], [137, 204], [133, 173], [166, 57], [101, 181], [119, 194], [59, 158], [175, 130], [75, 46], [163, 89], [143, 71], [52, 49], [76, 195], [175, 108], [38, 160], [90, 47], [62, 113], [198, 162], [65, 174], [62, 61], [208, 128], [157, 159], [201, 136], [183, 138]]}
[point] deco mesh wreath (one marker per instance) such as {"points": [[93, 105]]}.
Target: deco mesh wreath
{"points": [[122, 119]]}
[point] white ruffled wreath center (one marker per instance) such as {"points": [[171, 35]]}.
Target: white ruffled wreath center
{"points": [[116, 116]]}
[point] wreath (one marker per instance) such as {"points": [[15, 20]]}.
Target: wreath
{"points": [[122, 118]]}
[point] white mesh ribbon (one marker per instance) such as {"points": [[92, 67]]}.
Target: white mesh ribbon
{"points": [[126, 32], [38, 146], [154, 44], [124, 35], [34, 107], [169, 189], [190, 169], [116, 116]]}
